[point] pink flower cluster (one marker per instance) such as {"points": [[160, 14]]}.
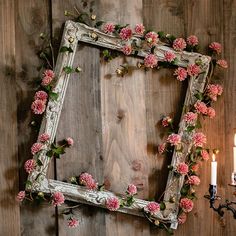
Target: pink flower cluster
{"points": [[151, 38], [222, 63], [30, 165], [39, 104], [199, 139], [44, 137], [20, 196], [179, 44], [216, 47], [195, 167], [70, 141], [214, 90], [182, 168], [72, 222], [41, 95], [192, 40], [161, 148], [125, 33], [48, 77], [132, 189], [112, 203], [108, 28], [127, 49], [169, 56], [193, 180], [182, 218], [152, 208], [139, 29], [200, 107], [150, 61], [88, 181], [204, 154], [174, 139], [36, 147], [211, 112], [57, 199], [186, 204], [193, 70], [166, 121], [181, 73], [190, 118]]}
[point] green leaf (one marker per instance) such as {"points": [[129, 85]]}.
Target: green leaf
{"points": [[184, 190], [199, 96], [129, 201], [98, 23], [162, 206], [49, 153], [153, 49], [161, 34], [66, 49], [101, 187], [53, 95], [190, 128], [198, 124], [39, 162], [28, 183], [59, 150], [68, 69]]}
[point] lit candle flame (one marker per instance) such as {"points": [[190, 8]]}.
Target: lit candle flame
{"points": [[234, 139], [213, 157]]}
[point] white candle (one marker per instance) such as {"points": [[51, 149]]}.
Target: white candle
{"points": [[234, 153], [213, 170]]}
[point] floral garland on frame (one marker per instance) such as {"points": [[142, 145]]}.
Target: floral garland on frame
{"points": [[202, 107]]}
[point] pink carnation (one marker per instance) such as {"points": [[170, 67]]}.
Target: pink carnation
{"points": [[211, 112], [193, 180], [195, 167], [58, 199], [48, 73], [44, 137], [174, 139], [199, 139], [127, 49], [182, 168], [220, 89], [190, 118], [36, 147], [139, 29], [30, 165], [214, 90], [204, 154], [215, 47], [151, 38], [169, 56], [132, 189], [70, 141], [182, 218], [20, 196], [112, 203], [166, 121], [72, 223], [87, 180], [152, 207], [192, 40], [222, 63], [41, 95], [108, 28], [46, 80], [186, 204], [126, 33], [193, 70], [150, 61], [181, 73], [38, 107], [161, 148], [200, 107], [179, 44]]}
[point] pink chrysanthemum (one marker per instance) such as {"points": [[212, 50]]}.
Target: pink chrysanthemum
{"points": [[186, 204], [150, 61], [70, 141], [38, 107], [181, 73], [222, 63], [41, 95], [193, 180], [20, 196], [46, 80], [192, 40], [161, 148], [193, 70], [205, 155], [72, 222], [88, 181], [195, 167], [48, 73], [179, 44], [169, 56], [132, 189], [151, 38], [199, 139], [36, 147], [214, 90], [30, 165], [200, 107], [174, 139], [44, 137], [125, 33], [108, 28], [182, 168], [166, 121], [211, 112], [190, 118], [127, 49], [58, 199], [152, 207], [112, 203], [139, 29], [182, 218], [216, 47]]}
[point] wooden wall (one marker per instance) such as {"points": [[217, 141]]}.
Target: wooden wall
{"points": [[109, 147]]}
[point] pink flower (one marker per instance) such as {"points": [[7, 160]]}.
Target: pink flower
{"points": [[151, 38], [220, 89], [127, 49], [200, 107], [20, 196], [169, 56], [30, 165], [193, 70], [181, 73], [36, 147], [214, 90], [112, 203], [179, 44], [204, 154], [87, 180], [125, 33], [41, 95], [193, 180], [139, 29], [216, 47], [211, 112], [174, 139], [150, 61], [46, 80], [222, 63], [190, 118], [38, 107], [70, 141], [199, 139], [152, 207], [182, 218], [57, 199], [195, 167], [182, 168], [132, 189], [108, 28], [192, 40], [48, 73], [186, 204], [166, 121], [72, 223], [161, 148], [44, 137]]}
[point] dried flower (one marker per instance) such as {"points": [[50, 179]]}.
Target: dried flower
{"points": [[38, 107], [195, 167], [152, 208], [199, 139], [179, 44], [57, 199], [30, 165], [20, 196], [181, 73], [186, 204], [112, 203], [150, 61]]}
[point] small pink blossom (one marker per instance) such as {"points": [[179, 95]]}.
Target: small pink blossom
{"points": [[211, 112], [199, 139], [126, 33], [41, 95], [220, 89], [181, 73], [46, 80], [166, 121], [174, 139], [48, 73], [38, 107], [190, 118], [179, 44], [169, 56], [112, 203], [70, 141], [182, 218], [108, 28], [88, 181], [182, 168], [30, 165], [222, 63], [192, 40], [152, 207], [186, 204], [44, 137], [216, 47], [161, 148], [139, 29], [195, 167], [193, 70], [72, 223], [127, 49], [200, 107], [132, 189], [20, 196], [150, 61], [58, 199], [214, 90], [204, 154], [151, 38], [193, 180], [36, 147]]}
